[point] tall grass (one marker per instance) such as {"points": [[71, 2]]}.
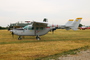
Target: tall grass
{"points": [[30, 49]]}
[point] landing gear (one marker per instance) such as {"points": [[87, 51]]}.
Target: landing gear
{"points": [[19, 38], [37, 37]]}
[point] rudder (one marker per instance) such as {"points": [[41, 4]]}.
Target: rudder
{"points": [[76, 24]]}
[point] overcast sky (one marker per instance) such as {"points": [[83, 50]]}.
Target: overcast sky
{"points": [[56, 11]]}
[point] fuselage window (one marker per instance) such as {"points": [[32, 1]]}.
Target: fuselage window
{"points": [[37, 28], [41, 28], [29, 28], [32, 28]]}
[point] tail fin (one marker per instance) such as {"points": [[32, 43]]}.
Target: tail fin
{"points": [[69, 23], [75, 24]]}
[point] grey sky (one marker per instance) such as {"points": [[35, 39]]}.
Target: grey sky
{"points": [[56, 11]]}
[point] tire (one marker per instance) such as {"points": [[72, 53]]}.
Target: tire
{"points": [[19, 38], [38, 38]]}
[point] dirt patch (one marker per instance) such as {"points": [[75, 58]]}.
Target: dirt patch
{"points": [[83, 55]]}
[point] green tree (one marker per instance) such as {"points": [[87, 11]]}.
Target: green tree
{"points": [[80, 25], [3, 27]]}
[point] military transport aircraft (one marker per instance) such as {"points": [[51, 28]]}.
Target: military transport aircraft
{"points": [[41, 28]]}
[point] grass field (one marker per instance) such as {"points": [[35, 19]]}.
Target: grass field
{"points": [[50, 44]]}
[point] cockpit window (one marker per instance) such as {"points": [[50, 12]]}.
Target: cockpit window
{"points": [[41, 28], [28, 28], [25, 27], [32, 28]]}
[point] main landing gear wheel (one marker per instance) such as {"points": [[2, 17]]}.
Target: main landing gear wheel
{"points": [[19, 38], [37, 37]]}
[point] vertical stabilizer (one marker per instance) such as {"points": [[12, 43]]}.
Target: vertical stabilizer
{"points": [[69, 23], [76, 23]]}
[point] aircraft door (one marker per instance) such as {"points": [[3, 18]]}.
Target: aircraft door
{"points": [[29, 30]]}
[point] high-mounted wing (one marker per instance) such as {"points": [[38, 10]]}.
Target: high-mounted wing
{"points": [[39, 24]]}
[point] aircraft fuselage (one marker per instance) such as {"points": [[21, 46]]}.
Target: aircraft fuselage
{"points": [[30, 31]]}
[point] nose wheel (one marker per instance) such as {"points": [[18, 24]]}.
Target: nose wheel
{"points": [[37, 37], [19, 38]]}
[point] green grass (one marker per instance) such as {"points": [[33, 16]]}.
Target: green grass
{"points": [[62, 42]]}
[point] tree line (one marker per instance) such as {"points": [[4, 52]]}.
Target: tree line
{"points": [[3, 27]]}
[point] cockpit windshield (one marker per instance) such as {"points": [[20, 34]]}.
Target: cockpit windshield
{"points": [[25, 27], [28, 27]]}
